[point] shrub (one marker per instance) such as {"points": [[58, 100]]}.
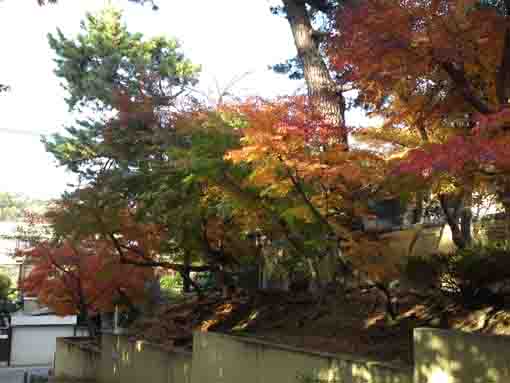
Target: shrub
{"points": [[5, 286], [478, 274], [171, 285]]}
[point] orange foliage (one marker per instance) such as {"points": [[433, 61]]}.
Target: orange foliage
{"points": [[71, 278], [438, 73], [83, 271], [291, 149]]}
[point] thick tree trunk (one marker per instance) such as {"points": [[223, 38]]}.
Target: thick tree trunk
{"points": [[326, 99]]}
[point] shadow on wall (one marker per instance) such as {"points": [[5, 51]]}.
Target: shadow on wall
{"points": [[218, 358], [454, 357], [440, 357], [127, 361], [355, 373]]}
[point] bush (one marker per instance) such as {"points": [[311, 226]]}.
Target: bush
{"points": [[5, 286], [171, 285], [479, 274]]}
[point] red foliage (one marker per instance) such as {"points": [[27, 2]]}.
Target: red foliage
{"points": [[487, 149], [70, 279]]}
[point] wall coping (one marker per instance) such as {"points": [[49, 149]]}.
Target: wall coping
{"points": [[76, 342], [453, 332], [346, 357], [159, 347]]}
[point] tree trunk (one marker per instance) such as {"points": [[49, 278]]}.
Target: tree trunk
{"points": [[418, 211], [466, 218], [326, 99], [186, 285], [458, 218], [91, 326], [466, 215], [504, 198]]}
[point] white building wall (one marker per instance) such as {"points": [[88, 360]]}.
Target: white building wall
{"points": [[36, 345], [34, 337]]}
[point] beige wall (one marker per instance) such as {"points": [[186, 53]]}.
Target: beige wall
{"points": [[428, 240], [415, 241], [440, 357], [219, 358], [431, 240], [125, 361], [75, 361], [443, 356]]}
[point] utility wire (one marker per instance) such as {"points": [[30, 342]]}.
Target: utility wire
{"points": [[37, 133]]}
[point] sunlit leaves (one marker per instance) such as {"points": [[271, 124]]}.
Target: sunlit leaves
{"points": [[106, 57], [70, 278]]}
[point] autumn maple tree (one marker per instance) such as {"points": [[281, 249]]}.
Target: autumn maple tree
{"points": [[185, 187], [150, 159], [72, 279], [312, 190], [167, 182], [438, 75], [73, 270]]}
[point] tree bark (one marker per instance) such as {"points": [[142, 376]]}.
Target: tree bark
{"points": [[504, 198], [458, 218], [186, 285], [326, 99], [418, 211], [466, 219]]}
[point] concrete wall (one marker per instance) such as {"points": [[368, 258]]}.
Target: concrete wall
{"points": [[438, 239], [443, 356], [415, 241], [427, 240], [75, 360], [440, 357], [219, 358], [126, 361]]}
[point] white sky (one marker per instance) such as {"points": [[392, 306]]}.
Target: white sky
{"points": [[227, 37]]}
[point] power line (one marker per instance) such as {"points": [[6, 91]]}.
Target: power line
{"points": [[37, 133]]}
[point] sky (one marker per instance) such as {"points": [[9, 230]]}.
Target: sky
{"points": [[227, 37]]}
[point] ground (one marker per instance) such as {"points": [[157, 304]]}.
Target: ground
{"points": [[339, 323], [16, 374]]}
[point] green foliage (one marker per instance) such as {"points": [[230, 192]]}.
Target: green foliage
{"points": [[147, 151], [171, 285], [422, 272], [115, 72], [14, 206], [5, 286], [476, 274], [311, 378], [106, 57], [293, 68]]}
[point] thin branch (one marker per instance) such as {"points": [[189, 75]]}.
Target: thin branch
{"points": [[150, 263]]}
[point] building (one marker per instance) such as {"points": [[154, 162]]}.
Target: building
{"points": [[30, 337], [34, 334]]}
